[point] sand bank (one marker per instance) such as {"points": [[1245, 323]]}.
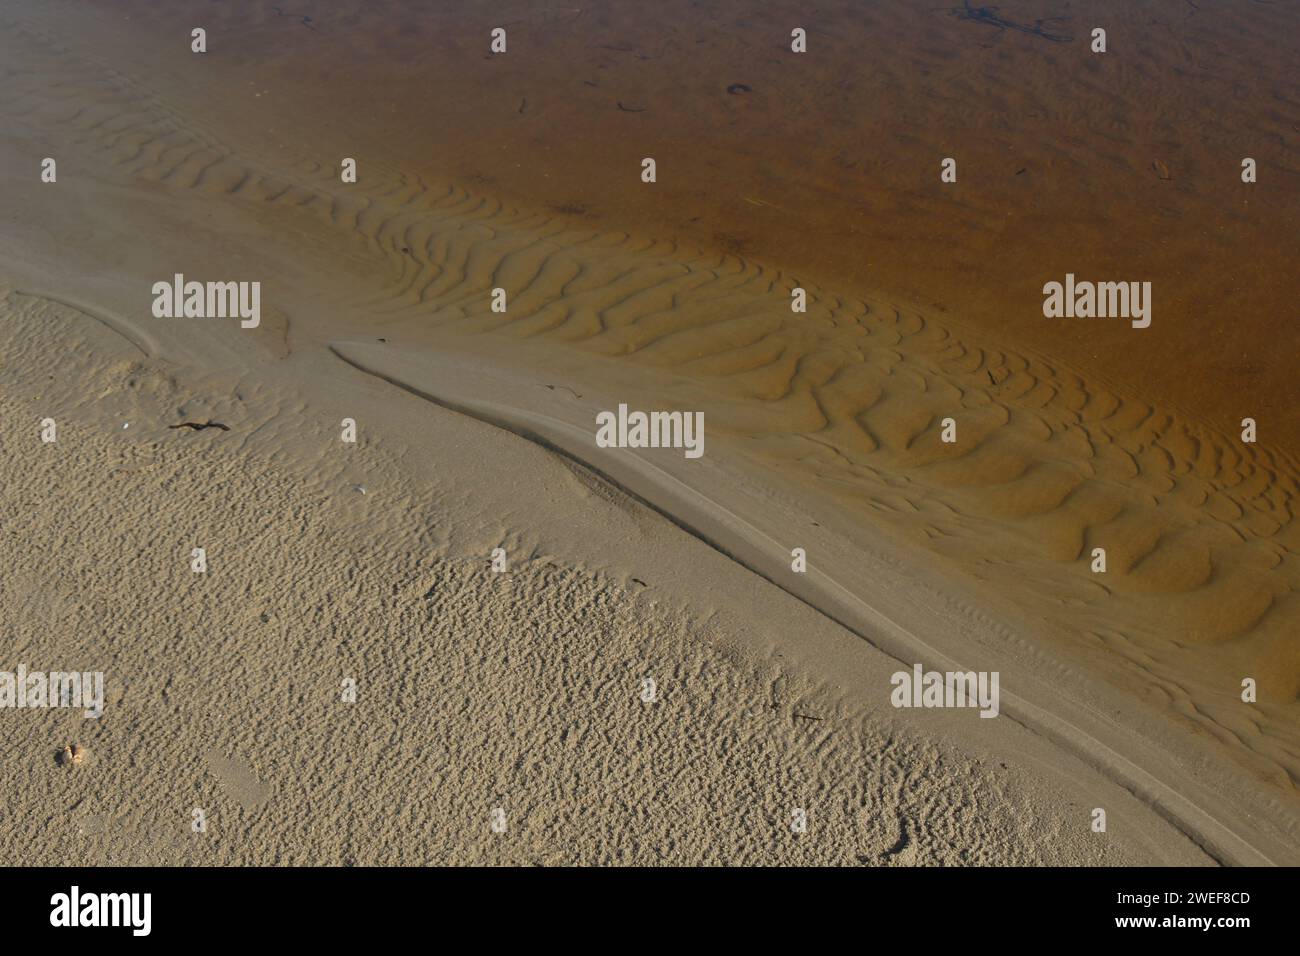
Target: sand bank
{"points": [[1121, 691]]}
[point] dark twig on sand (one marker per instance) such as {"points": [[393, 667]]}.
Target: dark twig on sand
{"points": [[199, 426]]}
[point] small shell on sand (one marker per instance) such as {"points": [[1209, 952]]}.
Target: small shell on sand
{"points": [[72, 755]]}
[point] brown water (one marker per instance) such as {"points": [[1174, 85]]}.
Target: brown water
{"points": [[1117, 166]]}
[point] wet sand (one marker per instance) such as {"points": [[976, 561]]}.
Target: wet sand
{"points": [[924, 303]]}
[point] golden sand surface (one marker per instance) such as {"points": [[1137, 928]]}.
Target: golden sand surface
{"points": [[521, 171]]}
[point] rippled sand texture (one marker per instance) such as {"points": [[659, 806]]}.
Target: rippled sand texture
{"points": [[475, 690], [1201, 531]]}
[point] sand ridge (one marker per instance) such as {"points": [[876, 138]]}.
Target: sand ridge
{"points": [[747, 531]]}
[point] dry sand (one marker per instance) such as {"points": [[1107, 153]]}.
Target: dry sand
{"points": [[522, 690]]}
